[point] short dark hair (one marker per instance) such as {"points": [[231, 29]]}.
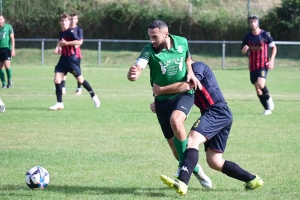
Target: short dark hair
{"points": [[158, 24], [64, 16], [253, 17], [73, 14]]}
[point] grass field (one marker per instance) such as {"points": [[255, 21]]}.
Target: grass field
{"points": [[118, 151]]}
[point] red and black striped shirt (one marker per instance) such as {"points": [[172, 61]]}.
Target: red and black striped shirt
{"points": [[68, 35], [258, 49], [210, 93]]}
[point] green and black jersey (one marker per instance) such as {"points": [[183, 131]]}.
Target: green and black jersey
{"points": [[168, 66], [5, 31]]}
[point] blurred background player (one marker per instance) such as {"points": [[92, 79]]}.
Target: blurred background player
{"points": [[78, 30], [212, 129], [68, 62], [256, 44], [7, 51]]}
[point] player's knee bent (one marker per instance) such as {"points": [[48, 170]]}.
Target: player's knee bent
{"points": [[215, 164], [57, 81], [80, 79]]}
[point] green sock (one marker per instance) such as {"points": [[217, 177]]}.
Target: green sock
{"points": [[9, 73], [180, 148], [2, 77]]}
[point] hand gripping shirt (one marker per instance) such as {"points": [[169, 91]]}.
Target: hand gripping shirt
{"points": [[168, 66]]}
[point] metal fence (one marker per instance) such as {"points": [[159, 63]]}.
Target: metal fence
{"points": [[223, 49]]}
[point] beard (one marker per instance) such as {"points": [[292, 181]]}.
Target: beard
{"points": [[160, 47]]}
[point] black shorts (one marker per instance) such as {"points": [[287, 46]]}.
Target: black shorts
{"points": [[258, 73], [183, 102], [68, 64], [215, 125], [5, 54]]}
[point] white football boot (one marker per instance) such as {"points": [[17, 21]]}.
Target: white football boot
{"points": [[57, 106], [270, 104], [96, 101]]}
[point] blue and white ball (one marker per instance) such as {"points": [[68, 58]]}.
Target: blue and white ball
{"points": [[37, 178]]}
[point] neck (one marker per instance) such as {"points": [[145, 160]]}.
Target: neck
{"points": [[256, 31], [169, 43]]}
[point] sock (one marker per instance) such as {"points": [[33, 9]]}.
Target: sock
{"points": [[263, 101], [9, 74], [63, 83], [180, 148], [188, 164], [2, 76], [265, 92], [58, 92], [233, 170], [78, 85], [87, 86]]}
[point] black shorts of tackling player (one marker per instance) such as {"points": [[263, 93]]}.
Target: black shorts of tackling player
{"points": [[5, 54], [183, 102], [215, 125], [258, 73], [68, 64]]}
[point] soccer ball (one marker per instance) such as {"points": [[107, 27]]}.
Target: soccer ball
{"points": [[37, 178], [2, 106]]}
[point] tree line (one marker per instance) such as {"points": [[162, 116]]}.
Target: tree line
{"points": [[130, 20]]}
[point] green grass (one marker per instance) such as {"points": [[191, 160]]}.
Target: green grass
{"points": [[118, 151]]}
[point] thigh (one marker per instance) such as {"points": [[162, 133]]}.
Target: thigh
{"points": [[74, 66], [61, 66], [5, 54], [215, 125], [183, 102], [163, 115]]}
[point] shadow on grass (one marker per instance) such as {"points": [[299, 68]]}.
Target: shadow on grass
{"points": [[73, 190]]}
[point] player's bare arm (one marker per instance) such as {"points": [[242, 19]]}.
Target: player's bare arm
{"points": [[245, 49], [12, 38], [134, 72], [191, 76], [174, 88], [57, 49], [69, 43], [272, 58]]}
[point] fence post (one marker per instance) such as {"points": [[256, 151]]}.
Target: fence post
{"points": [[223, 55], [99, 52], [43, 52]]}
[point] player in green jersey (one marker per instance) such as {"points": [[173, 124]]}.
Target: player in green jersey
{"points": [[170, 62], [7, 51]]}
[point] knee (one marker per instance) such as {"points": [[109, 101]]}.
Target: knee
{"points": [[176, 122], [215, 164], [80, 79], [57, 81]]}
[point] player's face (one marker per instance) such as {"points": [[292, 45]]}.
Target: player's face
{"points": [[65, 23], [157, 39], [253, 24], [74, 21], [2, 20]]}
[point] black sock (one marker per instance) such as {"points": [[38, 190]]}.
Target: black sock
{"points": [[58, 92], [87, 86], [263, 101], [265, 92], [188, 165], [78, 85], [233, 170], [63, 83]]}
